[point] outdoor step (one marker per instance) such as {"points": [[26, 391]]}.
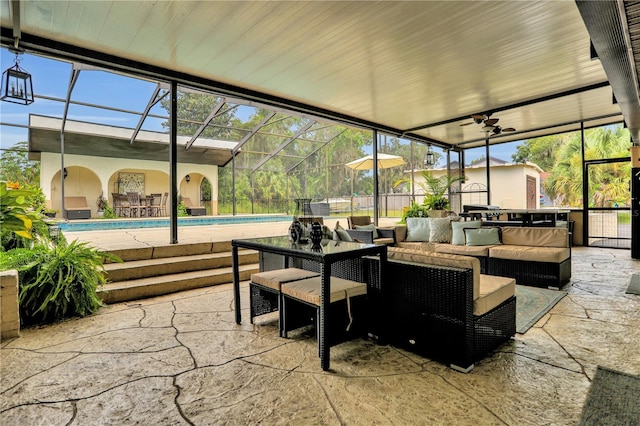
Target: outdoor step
{"points": [[136, 269], [171, 250], [123, 291]]}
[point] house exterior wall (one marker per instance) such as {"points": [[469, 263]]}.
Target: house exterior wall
{"points": [[89, 176], [508, 184]]}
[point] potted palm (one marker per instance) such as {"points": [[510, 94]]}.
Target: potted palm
{"points": [[434, 188]]}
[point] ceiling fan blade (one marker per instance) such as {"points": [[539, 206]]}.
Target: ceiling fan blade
{"points": [[509, 129], [491, 121], [466, 124], [478, 116]]}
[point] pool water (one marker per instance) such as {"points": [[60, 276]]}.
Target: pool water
{"points": [[106, 224]]}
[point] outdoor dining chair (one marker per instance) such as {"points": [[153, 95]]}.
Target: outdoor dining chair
{"points": [[136, 209]]}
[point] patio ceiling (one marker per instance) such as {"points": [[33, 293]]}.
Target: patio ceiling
{"points": [[419, 69]]}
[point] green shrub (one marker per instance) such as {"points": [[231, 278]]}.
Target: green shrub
{"points": [[57, 282], [415, 210]]}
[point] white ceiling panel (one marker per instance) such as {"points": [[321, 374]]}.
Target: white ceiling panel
{"points": [[401, 65]]}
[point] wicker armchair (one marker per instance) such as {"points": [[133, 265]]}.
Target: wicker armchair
{"points": [[384, 235], [430, 310]]}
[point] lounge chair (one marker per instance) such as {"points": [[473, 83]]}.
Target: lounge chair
{"points": [[193, 210], [76, 208]]}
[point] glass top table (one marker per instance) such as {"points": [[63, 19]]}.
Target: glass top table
{"points": [[326, 253]]}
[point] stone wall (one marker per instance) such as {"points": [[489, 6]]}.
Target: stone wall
{"points": [[9, 311]]}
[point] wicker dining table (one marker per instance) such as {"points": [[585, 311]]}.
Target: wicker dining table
{"points": [[326, 255]]}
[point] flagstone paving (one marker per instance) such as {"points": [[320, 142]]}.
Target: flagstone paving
{"points": [[181, 359]]}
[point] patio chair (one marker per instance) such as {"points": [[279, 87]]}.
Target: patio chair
{"points": [[362, 229], [193, 210], [77, 208], [136, 208], [155, 206], [120, 204], [163, 204]]}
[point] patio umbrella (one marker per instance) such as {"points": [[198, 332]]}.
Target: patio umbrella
{"points": [[385, 161]]}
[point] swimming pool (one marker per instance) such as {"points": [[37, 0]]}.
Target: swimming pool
{"points": [[106, 224]]}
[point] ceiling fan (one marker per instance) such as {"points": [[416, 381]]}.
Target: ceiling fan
{"points": [[489, 124]]}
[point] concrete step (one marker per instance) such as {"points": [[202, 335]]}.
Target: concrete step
{"points": [[171, 250], [154, 267], [141, 288]]}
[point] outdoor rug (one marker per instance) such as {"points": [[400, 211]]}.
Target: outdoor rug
{"points": [[612, 399], [532, 303], [634, 285]]}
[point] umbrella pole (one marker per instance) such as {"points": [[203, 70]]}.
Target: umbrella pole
{"points": [[352, 177]]}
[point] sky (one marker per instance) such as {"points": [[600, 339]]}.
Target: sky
{"points": [[51, 80]]}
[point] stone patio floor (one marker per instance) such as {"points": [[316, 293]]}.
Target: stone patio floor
{"points": [[181, 359]]}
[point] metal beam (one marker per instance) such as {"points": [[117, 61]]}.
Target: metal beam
{"points": [[284, 144], [15, 21], [152, 101], [253, 131], [608, 28], [211, 116], [314, 151]]}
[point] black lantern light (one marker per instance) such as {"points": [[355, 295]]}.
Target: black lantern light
{"points": [[16, 83], [187, 178], [429, 157]]}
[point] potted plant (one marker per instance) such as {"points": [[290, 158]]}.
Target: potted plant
{"points": [[49, 212], [434, 188], [101, 203]]}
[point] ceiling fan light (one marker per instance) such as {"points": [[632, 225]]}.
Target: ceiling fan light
{"points": [[488, 128]]}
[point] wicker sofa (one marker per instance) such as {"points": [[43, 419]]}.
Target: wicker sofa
{"points": [[441, 306], [535, 256]]}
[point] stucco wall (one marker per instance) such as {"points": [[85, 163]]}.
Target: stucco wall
{"points": [[88, 176], [508, 184]]}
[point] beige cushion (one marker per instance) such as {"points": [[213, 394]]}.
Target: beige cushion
{"points": [[462, 250], [534, 254], [426, 247], [535, 236], [440, 259], [387, 241], [274, 279], [75, 203], [401, 232], [493, 291], [309, 289]]}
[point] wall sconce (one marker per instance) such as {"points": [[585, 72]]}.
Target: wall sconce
{"points": [[16, 83], [64, 173], [187, 178], [429, 157]]}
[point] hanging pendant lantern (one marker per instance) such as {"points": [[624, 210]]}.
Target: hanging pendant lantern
{"points": [[429, 158], [16, 84]]}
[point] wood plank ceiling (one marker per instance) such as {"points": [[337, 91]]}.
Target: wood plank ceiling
{"points": [[418, 69]]}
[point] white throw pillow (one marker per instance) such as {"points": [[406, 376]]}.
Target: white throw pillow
{"points": [[458, 231], [439, 230], [417, 229]]}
